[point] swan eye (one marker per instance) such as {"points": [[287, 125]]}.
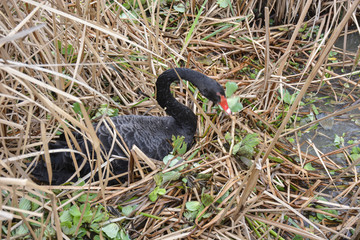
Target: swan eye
{"points": [[219, 97], [205, 92]]}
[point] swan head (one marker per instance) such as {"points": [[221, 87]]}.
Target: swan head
{"points": [[215, 92]]}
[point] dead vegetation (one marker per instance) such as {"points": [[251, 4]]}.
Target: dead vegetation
{"points": [[56, 68]]}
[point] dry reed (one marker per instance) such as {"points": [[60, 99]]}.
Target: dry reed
{"points": [[55, 54]]}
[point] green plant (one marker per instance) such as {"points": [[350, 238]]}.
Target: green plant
{"points": [[233, 101], [309, 167], [180, 7], [244, 146], [323, 216], [225, 4], [355, 153], [339, 140], [76, 220], [105, 109], [194, 208], [287, 97], [67, 51], [153, 196], [170, 160]]}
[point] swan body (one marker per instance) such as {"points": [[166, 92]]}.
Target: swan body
{"points": [[149, 133]]}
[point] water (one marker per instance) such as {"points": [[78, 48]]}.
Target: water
{"points": [[342, 130]]}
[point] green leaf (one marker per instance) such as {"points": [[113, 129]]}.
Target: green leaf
{"points": [[224, 3], [161, 191], [111, 230], [179, 145], [207, 199], [87, 216], [303, 28], [180, 8], [123, 235], [85, 198], [204, 176], [49, 231], [234, 104], [127, 210], [222, 198], [173, 162], [190, 215], [65, 218], [355, 157], [193, 205], [355, 150], [67, 206], [339, 140], [284, 29], [231, 87], [25, 204], [105, 109], [81, 233], [246, 146], [204, 60], [34, 206], [75, 211], [321, 198], [158, 178], [95, 227], [201, 208], [322, 216], [309, 167], [171, 176], [154, 194], [21, 230], [236, 148], [69, 230], [206, 215], [289, 98], [246, 150], [228, 137], [77, 109], [167, 158], [251, 140], [298, 237], [313, 107]]}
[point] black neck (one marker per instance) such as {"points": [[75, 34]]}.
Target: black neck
{"points": [[182, 114]]}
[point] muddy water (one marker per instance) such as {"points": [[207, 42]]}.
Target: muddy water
{"points": [[346, 126], [334, 133]]}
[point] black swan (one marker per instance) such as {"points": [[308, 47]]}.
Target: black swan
{"points": [[151, 134]]}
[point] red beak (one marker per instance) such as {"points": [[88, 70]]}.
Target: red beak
{"points": [[224, 105]]}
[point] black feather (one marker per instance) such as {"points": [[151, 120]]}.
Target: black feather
{"points": [[151, 134]]}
